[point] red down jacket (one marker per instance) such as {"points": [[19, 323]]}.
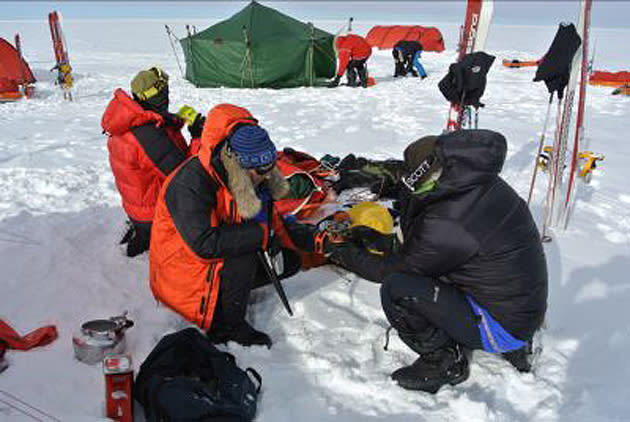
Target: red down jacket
{"points": [[143, 150], [351, 47]]}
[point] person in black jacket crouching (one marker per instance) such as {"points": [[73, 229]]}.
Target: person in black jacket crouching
{"points": [[471, 273]]}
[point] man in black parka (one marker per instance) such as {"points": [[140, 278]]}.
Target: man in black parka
{"points": [[407, 57], [471, 273]]}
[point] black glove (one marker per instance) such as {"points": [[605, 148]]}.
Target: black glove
{"points": [[342, 253], [335, 82], [129, 234], [197, 127], [373, 240]]}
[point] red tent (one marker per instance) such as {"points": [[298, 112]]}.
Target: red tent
{"points": [[609, 78], [385, 37], [14, 71]]}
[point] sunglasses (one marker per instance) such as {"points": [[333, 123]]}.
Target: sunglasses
{"points": [[262, 170]]}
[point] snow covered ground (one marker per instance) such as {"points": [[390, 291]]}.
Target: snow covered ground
{"points": [[60, 219]]}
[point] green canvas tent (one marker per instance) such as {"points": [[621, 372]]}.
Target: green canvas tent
{"points": [[259, 47]]}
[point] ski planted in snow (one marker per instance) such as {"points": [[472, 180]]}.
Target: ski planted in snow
{"points": [[62, 66], [25, 82], [554, 207], [584, 27], [472, 38], [554, 69]]}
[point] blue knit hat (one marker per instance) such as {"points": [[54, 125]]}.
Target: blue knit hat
{"points": [[253, 147]]}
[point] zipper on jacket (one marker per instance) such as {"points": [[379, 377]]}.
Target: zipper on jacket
{"points": [[205, 305]]}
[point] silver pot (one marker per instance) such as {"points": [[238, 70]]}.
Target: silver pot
{"points": [[101, 337]]}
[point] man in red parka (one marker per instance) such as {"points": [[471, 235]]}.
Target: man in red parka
{"points": [[145, 145], [352, 52]]}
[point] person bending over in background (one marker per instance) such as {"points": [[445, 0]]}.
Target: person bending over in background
{"points": [[471, 272], [214, 215], [145, 145], [406, 57], [352, 52]]}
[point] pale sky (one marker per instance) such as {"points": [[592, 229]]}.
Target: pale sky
{"points": [[606, 13]]}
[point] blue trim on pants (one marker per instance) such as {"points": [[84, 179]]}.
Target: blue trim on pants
{"points": [[418, 65], [494, 337]]}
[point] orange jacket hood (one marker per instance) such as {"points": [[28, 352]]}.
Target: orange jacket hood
{"points": [[123, 113], [220, 122]]}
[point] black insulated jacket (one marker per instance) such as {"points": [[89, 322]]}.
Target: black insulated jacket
{"points": [[473, 231]]}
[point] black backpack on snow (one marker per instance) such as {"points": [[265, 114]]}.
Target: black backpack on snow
{"points": [[186, 378]]}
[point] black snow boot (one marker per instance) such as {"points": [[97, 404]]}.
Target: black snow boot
{"points": [[351, 77], [243, 334], [363, 76], [137, 238], [520, 359], [446, 365]]}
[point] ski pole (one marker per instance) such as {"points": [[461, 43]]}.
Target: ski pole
{"points": [[345, 27], [551, 188], [265, 259], [540, 147], [169, 33]]}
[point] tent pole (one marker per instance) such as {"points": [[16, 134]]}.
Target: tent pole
{"points": [[248, 58], [192, 61], [169, 33], [311, 54]]}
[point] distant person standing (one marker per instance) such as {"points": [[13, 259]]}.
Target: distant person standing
{"points": [[407, 57], [352, 51]]}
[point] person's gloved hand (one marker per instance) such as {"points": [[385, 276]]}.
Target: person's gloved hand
{"points": [[265, 197], [335, 82], [373, 240], [197, 127], [188, 114], [261, 217], [290, 219]]}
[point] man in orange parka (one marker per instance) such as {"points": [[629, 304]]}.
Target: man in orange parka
{"points": [[145, 145], [214, 214], [352, 52]]}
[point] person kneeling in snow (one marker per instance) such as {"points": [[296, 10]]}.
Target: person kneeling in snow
{"points": [[406, 57], [145, 145], [353, 51], [214, 215], [471, 273]]}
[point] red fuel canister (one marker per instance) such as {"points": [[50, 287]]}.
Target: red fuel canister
{"points": [[118, 372]]}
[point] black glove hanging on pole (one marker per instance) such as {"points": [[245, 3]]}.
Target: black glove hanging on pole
{"points": [[465, 82], [555, 66]]}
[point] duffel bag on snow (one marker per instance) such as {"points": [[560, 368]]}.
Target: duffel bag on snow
{"points": [[186, 378]]}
